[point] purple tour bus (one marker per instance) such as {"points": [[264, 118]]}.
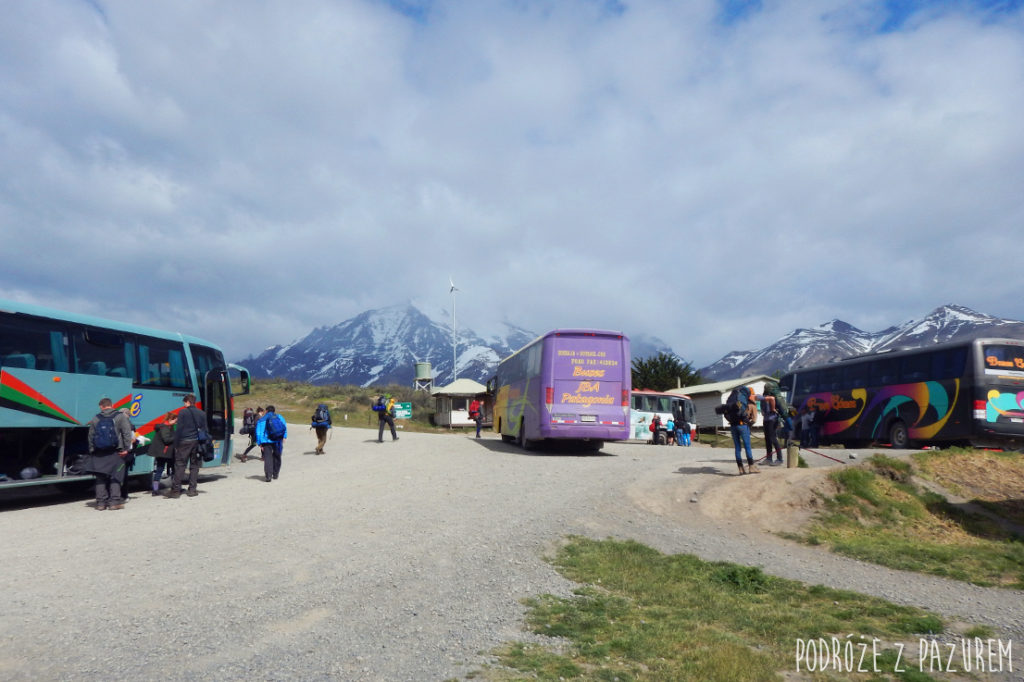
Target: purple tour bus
{"points": [[567, 385]]}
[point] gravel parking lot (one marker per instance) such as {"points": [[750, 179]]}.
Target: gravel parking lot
{"points": [[405, 560]]}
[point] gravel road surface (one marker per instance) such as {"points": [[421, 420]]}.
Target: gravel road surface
{"points": [[404, 560]]}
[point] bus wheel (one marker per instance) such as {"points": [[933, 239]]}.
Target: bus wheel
{"points": [[521, 438], [898, 437]]}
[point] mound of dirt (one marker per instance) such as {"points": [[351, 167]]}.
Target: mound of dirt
{"points": [[776, 500]]}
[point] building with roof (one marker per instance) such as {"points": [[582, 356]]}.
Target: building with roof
{"points": [[451, 403], [706, 397]]}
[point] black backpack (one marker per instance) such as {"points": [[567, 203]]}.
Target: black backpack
{"points": [[104, 435], [322, 415]]}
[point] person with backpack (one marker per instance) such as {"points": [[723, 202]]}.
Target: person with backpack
{"points": [[161, 449], [770, 421], [476, 414], [320, 422], [191, 420], [741, 413], [271, 432], [385, 409], [249, 419], [110, 440]]}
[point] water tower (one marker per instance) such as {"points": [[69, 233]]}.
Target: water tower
{"points": [[423, 381]]}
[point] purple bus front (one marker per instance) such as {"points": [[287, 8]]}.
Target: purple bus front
{"points": [[585, 385]]}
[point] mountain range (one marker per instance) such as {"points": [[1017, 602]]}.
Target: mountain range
{"points": [[380, 347], [837, 339]]}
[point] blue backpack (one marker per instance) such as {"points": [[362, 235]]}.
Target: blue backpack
{"points": [[275, 427], [104, 435]]}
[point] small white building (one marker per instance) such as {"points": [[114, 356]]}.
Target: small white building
{"points": [[451, 403], [706, 397]]}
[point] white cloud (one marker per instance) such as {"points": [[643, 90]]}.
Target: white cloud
{"points": [[257, 171]]}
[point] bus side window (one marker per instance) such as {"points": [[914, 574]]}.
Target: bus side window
{"points": [[883, 372], [948, 364], [914, 368], [855, 376], [28, 343], [809, 382]]}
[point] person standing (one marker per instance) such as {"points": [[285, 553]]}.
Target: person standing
{"points": [[740, 418], [805, 427], [110, 439], [186, 448], [683, 433], [771, 424], [476, 414], [161, 449], [321, 422], [386, 416], [271, 432], [817, 420]]}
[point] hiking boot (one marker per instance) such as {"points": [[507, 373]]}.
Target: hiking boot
{"points": [[101, 506], [172, 496], [741, 470], [243, 458], [117, 506], [192, 493], [268, 479], [752, 468]]}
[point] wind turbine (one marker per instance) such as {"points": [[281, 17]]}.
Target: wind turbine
{"points": [[455, 342]]}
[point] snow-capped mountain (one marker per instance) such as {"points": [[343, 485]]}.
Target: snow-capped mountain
{"points": [[837, 339], [379, 347]]}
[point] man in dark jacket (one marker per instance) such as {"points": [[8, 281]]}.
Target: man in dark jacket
{"points": [[186, 447], [386, 416], [110, 440]]}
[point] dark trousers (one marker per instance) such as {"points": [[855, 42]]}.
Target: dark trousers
{"points": [[252, 443], [770, 439], [271, 458], [108, 489], [186, 452], [389, 420], [321, 438]]}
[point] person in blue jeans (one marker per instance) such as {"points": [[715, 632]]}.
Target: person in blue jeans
{"points": [[683, 433], [739, 427]]}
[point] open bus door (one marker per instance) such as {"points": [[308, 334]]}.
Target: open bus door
{"points": [[219, 417]]}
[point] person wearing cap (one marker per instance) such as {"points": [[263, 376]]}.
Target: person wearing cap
{"points": [[386, 416]]}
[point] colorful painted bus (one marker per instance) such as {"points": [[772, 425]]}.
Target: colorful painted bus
{"points": [[960, 393], [567, 385], [646, 404], [56, 366]]}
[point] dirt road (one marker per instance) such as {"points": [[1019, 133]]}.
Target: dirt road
{"points": [[404, 560]]}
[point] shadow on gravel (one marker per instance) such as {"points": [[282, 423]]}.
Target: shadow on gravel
{"points": [[544, 450], [35, 496], [714, 471]]}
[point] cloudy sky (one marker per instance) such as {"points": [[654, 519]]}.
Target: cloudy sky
{"points": [[712, 172]]}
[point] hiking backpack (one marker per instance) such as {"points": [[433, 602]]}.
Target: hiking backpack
{"points": [[322, 415], [248, 420], [736, 405], [104, 435], [380, 405], [275, 428]]}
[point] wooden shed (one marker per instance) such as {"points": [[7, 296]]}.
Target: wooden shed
{"points": [[451, 403]]}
